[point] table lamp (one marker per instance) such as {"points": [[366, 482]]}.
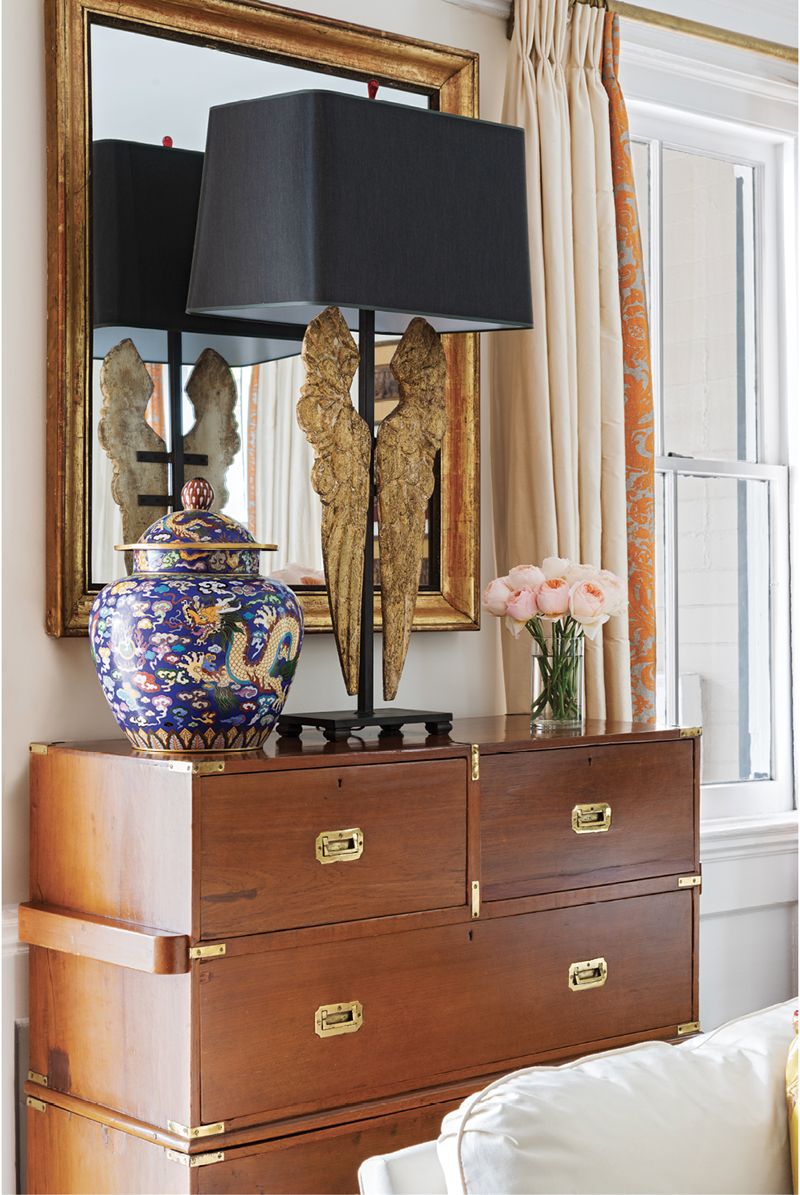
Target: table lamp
{"points": [[315, 201]]}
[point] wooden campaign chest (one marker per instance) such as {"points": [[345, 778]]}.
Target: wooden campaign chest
{"points": [[248, 973]]}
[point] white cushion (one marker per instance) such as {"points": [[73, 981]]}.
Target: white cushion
{"points": [[706, 1116], [411, 1171]]}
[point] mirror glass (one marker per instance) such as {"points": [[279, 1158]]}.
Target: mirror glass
{"points": [[145, 89]]}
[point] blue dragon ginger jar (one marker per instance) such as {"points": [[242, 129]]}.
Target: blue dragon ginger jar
{"points": [[196, 651]]}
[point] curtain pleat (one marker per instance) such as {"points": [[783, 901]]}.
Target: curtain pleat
{"points": [[639, 416], [558, 444], [285, 509]]}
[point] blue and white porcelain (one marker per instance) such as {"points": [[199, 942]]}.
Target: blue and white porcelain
{"points": [[196, 651]]}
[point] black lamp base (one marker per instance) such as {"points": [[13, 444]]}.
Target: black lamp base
{"points": [[338, 725]]}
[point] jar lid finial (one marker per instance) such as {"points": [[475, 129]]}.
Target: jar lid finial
{"points": [[197, 494]]}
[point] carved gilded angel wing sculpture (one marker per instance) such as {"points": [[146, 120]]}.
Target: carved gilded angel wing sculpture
{"points": [[212, 393], [342, 444], [408, 440], [123, 431]]}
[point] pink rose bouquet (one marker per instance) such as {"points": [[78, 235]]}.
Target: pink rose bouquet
{"points": [[557, 603]]}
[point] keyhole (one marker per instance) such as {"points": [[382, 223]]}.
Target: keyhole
{"points": [[339, 781]]}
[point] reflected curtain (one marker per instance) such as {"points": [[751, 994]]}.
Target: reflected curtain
{"points": [[639, 418], [558, 394], [282, 507]]}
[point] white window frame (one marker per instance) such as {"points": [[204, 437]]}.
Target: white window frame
{"points": [[699, 105]]}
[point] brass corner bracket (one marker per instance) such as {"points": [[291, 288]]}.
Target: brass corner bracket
{"points": [[691, 732], [207, 767], [200, 1130], [191, 1161], [475, 757]]}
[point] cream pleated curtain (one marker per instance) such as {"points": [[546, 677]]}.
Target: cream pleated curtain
{"points": [[282, 506], [558, 403]]}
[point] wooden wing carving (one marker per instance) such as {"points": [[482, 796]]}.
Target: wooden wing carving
{"points": [[342, 444], [123, 431], [408, 440], [212, 393]]}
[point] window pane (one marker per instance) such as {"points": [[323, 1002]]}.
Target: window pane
{"points": [[640, 156], [724, 623], [709, 307]]}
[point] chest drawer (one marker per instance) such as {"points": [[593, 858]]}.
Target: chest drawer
{"points": [[560, 819], [327, 845], [407, 1010]]}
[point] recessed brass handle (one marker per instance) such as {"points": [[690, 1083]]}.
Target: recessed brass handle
{"points": [[340, 846], [590, 974], [591, 819], [333, 1019]]}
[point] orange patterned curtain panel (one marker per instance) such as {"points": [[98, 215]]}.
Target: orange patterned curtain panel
{"points": [[639, 443]]}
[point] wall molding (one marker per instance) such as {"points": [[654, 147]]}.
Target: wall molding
{"points": [[492, 8], [726, 839]]}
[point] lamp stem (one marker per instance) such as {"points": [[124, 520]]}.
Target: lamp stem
{"points": [[174, 364], [366, 409]]}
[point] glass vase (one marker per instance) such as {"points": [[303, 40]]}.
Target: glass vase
{"points": [[557, 681]]}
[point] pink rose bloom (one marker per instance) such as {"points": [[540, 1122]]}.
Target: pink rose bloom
{"points": [[496, 595], [553, 598], [587, 605], [522, 605], [555, 566], [525, 576], [582, 572], [615, 591]]}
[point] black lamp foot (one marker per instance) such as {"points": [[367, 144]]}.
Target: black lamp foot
{"points": [[339, 725]]}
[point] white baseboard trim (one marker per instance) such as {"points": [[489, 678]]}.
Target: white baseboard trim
{"points": [[11, 943], [723, 839]]}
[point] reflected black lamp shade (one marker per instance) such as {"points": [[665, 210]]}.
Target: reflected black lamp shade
{"points": [[316, 198], [144, 211]]}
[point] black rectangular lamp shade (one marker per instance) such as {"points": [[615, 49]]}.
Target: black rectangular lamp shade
{"points": [[315, 198], [144, 212]]}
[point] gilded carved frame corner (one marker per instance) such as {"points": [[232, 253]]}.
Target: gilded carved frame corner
{"points": [[450, 76]]}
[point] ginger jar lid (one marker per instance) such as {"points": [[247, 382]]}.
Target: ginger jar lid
{"points": [[196, 539]]}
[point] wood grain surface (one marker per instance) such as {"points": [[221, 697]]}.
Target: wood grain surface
{"points": [[436, 1002], [528, 844], [113, 1036], [117, 942], [258, 865]]}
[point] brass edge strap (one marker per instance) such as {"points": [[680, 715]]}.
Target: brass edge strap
{"points": [[191, 1161], [728, 37]]}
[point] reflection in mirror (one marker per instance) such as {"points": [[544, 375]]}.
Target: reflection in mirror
{"points": [[268, 482], [156, 92]]}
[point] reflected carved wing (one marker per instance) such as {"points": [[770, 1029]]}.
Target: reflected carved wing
{"points": [[408, 440], [342, 444], [212, 393], [123, 431]]}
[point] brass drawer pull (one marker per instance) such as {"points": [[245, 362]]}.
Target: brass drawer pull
{"points": [[340, 846], [333, 1019], [591, 974], [591, 819]]}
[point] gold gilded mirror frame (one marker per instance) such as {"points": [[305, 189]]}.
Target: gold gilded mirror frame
{"points": [[449, 76]]}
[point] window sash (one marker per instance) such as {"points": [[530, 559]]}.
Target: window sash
{"points": [[768, 152]]}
